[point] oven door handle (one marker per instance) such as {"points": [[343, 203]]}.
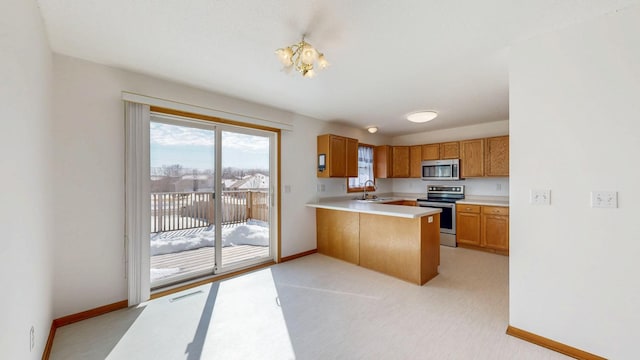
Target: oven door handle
{"points": [[432, 204]]}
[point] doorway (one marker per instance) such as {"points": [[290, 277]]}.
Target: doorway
{"points": [[212, 198]]}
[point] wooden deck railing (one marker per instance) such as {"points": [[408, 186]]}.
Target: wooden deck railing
{"points": [[187, 210]]}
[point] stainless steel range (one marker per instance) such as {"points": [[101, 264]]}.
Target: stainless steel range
{"points": [[444, 197]]}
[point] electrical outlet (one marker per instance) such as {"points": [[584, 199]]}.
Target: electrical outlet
{"points": [[540, 197], [498, 186], [287, 189], [604, 199], [32, 338]]}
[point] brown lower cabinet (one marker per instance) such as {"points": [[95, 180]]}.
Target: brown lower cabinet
{"points": [[483, 227], [406, 248], [338, 234], [403, 202]]}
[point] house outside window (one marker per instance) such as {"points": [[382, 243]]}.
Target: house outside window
{"points": [[365, 170]]}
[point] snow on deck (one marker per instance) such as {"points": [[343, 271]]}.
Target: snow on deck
{"points": [[200, 260], [181, 252]]}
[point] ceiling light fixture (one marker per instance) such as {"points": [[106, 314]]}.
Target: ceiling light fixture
{"points": [[422, 116], [372, 129], [302, 57]]}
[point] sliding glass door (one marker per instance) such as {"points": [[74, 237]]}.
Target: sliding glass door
{"points": [[246, 210], [211, 192]]}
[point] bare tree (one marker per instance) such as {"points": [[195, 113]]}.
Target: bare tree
{"points": [[174, 170]]}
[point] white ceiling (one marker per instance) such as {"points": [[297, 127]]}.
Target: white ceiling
{"points": [[387, 57]]}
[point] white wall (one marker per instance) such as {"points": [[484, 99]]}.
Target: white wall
{"points": [[495, 128], [89, 181], [575, 128], [26, 210], [299, 154]]}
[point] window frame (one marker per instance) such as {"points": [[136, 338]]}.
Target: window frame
{"points": [[373, 172]]}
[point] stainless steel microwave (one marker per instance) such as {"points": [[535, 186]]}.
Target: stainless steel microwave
{"points": [[441, 169]]}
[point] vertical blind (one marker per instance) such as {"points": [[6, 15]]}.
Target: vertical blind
{"points": [[137, 205]]}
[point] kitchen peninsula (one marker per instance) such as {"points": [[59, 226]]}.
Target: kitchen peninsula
{"points": [[401, 241]]}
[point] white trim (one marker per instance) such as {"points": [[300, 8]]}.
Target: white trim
{"points": [[217, 202], [137, 204], [154, 101]]}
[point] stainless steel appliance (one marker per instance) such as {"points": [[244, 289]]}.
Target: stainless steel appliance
{"points": [[441, 169], [444, 197]]}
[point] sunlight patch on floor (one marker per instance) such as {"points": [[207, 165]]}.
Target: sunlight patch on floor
{"points": [[247, 321]]}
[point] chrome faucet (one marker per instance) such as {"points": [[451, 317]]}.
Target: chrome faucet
{"points": [[364, 188]]}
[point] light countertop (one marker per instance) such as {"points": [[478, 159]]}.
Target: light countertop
{"points": [[485, 200], [377, 208]]}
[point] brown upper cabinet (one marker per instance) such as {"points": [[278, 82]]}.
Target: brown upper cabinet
{"points": [[340, 156], [478, 157], [382, 161], [415, 161], [431, 152], [393, 161], [472, 158], [497, 156], [485, 157], [400, 161], [441, 151], [450, 150]]}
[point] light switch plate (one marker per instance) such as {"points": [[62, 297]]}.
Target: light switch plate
{"points": [[604, 199], [540, 197]]}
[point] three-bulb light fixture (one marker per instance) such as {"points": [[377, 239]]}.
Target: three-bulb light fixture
{"points": [[302, 56]]}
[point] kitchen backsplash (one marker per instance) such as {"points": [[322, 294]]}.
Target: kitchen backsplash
{"points": [[478, 186]]}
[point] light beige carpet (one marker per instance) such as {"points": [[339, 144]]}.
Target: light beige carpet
{"points": [[317, 307]]}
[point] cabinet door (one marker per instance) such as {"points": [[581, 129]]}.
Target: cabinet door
{"points": [[415, 161], [450, 150], [382, 161], [402, 202], [337, 156], [430, 152], [472, 158], [352, 157], [495, 228], [400, 161], [497, 156], [468, 225]]}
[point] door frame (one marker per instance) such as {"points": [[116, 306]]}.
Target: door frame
{"points": [[220, 125]]}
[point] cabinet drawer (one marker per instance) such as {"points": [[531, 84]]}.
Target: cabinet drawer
{"points": [[495, 210], [468, 208]]}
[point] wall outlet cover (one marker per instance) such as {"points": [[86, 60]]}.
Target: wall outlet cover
{"points": [[604, 199], [540, 197]]}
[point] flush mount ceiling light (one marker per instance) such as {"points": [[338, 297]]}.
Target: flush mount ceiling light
{"points": [[372, 129], [302, 56], [422, 116]]}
